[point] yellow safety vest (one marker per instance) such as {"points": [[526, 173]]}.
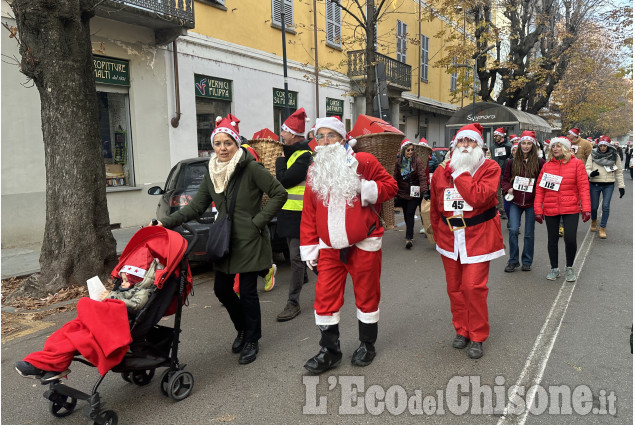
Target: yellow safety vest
{"points": [[296, 193]]}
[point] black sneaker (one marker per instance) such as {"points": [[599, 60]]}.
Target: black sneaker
{"points": [[290, 311], [27, 370], [526, 267], [511, 267]]}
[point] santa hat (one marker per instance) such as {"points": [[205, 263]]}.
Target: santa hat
{"points": [[334, 124], [513, 138], [563, 141], [515, 145], [528, 135], [500, 132], [546, 142], [265, 133], [137, 265], [294, 124], [605, 140], [575, 132], [590, 139], [424, 142], [228, 125], [405, 143], [470, 131]]}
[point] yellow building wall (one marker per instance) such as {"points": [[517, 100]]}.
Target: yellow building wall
{"points": [[248, 23]]}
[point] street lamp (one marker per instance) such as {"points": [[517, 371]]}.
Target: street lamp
{"points": [[474, 72]]}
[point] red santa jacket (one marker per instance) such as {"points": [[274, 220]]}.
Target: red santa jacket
{"points": [[573, 193], [339, 225], [473, 244]]}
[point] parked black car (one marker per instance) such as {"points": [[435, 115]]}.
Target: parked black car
{"points": [[180, 187]]}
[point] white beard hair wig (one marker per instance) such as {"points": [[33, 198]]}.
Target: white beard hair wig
{"points": [[461, 162], [331, 176]]}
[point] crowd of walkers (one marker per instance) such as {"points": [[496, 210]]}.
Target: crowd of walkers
{"points": [[327, 197]]}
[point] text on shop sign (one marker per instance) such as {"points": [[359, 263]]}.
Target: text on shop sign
{"points": [[111, 71]]}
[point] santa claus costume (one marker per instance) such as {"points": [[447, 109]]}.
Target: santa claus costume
{"points": [[467, 231], [340, 234]]}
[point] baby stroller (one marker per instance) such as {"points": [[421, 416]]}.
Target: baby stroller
{"points": [[153, 346]]}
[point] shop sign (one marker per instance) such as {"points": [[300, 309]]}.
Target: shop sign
{"points": [[481, 118], [334, 106], [278, 98], [212, 88], [111, 71]]}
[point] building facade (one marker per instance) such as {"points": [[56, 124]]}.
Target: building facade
{"points": [[160, 89]]}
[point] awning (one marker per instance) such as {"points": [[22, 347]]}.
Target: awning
{"points": [[429, 105]]}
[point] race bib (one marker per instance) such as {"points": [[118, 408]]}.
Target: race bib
{"points": [[551, 181], [500, 152], [453, 201], [610, 168], [524, 184], [415, 191], [574, 148]]}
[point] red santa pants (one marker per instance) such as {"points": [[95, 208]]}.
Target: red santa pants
{"points": [[467, 289], [365, 270], [58, 351]]}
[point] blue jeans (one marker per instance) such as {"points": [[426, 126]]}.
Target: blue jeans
{"points": [[607, 194], [514, 229]]}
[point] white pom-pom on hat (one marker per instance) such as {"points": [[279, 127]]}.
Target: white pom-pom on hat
{"points": [[233, 123], [219, 118]]}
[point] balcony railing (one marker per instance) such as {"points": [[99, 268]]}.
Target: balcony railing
{"points": [[398, 74], [168, 18]]}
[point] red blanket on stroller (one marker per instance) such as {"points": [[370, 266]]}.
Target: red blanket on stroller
{"points": [[100, 333]]}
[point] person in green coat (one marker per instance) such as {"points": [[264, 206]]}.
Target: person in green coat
{"points": [[250, 248]]}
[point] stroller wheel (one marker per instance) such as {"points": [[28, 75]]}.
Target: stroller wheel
{"points": [[165, 379], [109, 417], [63, 409], [142, 377], [180, 385], [126, 376]]}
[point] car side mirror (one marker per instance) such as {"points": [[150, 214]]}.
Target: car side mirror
{"points": [[155, 190]]}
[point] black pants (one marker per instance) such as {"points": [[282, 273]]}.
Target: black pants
{"points": [[570, 224], [409, 207], [244, 311]]}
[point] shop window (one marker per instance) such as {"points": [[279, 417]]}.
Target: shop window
{"points": [[116, 142], [206, 112]]}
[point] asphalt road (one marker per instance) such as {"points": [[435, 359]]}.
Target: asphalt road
{"points": [[570, 337]]}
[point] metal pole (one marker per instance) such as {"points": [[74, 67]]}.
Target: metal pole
{"points": [[316, 69], [474, 90], [284, 65]]}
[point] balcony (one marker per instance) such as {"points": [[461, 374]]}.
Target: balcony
{"points": [[398, 74], [168, 18]]}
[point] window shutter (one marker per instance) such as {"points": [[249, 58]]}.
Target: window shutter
{"points": [[424, 57], [333, 23], [276, 9], [401, 41]]}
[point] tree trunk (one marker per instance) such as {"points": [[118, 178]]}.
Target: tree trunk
{"points": [[56, 51]]}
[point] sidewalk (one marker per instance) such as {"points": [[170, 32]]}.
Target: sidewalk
{"points": [[26, 260]]}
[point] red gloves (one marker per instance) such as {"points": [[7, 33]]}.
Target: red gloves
{"points": [[540, 218], [586, 216]]}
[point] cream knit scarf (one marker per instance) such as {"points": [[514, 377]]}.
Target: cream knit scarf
{"points": [[220, 172]]}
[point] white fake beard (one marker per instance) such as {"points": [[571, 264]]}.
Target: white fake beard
{"points": [[466, 159], [331, 176]]}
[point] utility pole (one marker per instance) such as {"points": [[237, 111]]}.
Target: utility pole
{"points": [[284, 65]]}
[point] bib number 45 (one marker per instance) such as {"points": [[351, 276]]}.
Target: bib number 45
{"points": [[458, 205]]}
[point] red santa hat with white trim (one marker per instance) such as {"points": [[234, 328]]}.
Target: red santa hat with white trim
{"points": [[528, 135], [575, 132], [606, 141], [227, 125], [471, 131], [295, 123], [500, 131], [137, 265], [513, 138], [405, 143]]}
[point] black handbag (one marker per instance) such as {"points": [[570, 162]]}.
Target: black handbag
{"points": [[219, 238]]}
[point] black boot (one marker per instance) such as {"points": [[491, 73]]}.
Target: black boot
{"points": [[330, 354], [365, 353], [239, 342]]}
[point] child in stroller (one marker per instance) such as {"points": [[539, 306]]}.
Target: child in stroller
{"points": [[120, 333]]}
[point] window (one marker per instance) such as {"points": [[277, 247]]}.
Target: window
{"points": [[401, 41], [114, 129], [206, 112], [277, 9], [333, 24], [424, 58]]}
